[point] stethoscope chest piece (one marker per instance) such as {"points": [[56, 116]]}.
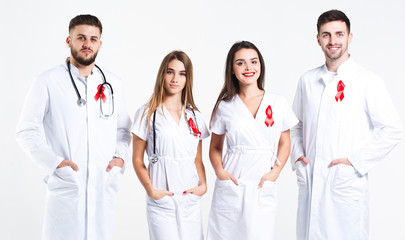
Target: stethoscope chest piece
{"points": [[81, 102], [153, 158]]}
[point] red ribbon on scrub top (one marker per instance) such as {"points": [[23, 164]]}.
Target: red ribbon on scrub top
{"points": [[269, 117], [97, 96], [340, 88], [194, 128]]}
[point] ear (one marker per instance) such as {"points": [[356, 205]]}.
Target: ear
{"points": [[68, 39], [101, 43], [317, 39], [350, 37]]}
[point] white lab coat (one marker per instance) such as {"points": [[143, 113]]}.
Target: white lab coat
{"points": [[52, 127], [363, 126], [175, 217], [244, 212]]}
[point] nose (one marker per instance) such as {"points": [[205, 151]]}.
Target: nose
{"points": [[175, 78], [332, 40], [248, 66], [86, 43]]}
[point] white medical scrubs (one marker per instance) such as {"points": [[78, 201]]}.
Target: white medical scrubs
{"points": [[80, 205], [354, 120], [175, 217], [244, 212]]}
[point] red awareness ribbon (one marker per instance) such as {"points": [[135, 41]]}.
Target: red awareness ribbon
{"points": [[97, 96], [194, 128], [340, 88], [269, 117]]}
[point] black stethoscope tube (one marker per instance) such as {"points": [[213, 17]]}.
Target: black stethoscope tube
{"points": [[80, 101]]}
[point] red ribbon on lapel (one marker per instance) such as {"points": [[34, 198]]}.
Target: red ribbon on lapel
{"points": [[194, 128], [97, 96], [340, 88], [269, 117]]}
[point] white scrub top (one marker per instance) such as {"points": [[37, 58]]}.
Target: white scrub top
{"points": [[178, 216], [52, 127], [243, 211], [350, 116]]}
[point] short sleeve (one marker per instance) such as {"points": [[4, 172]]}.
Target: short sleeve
{"points": [[217, 124], [289, 118], [202, 126], [140, 124]]}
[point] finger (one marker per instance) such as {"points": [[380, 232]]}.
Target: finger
{"points": [[261, 183], [168, 193], [332, 163], [234, 180], [191, 190], [305, 160], [74, 166], [110, 166]]}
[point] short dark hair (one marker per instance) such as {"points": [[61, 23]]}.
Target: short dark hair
{"points": [[333, 15], [85, 19]]}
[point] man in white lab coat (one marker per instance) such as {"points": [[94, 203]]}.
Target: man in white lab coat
{"points": [[347, 124], [79, 133]]}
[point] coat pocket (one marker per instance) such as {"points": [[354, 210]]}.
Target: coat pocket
{"points": [[64, 182], [347, 184], [113, 179]]}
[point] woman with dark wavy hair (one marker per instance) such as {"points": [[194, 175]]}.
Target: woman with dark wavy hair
{"points": [[256, 126]]}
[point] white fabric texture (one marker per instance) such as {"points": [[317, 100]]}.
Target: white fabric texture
{"points": [[362, 125], [243, 211], [52, 127], [175, 217]]}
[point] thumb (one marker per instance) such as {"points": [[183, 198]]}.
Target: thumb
{"points": [[234, 180], [74, 166], [261, 183], [169, 193]]}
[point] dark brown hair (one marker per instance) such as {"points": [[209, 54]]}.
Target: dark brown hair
{"points": [[231, 83], [333, 15], [85, 19]]}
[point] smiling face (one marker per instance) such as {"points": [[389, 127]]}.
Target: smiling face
{"points": [[246, 66], [84, 43], [334, 39], [175, 78]]}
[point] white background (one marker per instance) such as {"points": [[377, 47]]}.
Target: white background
{"points": [[138, 34]]}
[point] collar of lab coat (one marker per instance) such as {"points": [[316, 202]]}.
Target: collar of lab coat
{"points": [[343, 72], [75, 72]]}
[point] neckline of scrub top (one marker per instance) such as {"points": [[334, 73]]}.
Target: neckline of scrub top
{"points": [[247, 109], [166, 112]]}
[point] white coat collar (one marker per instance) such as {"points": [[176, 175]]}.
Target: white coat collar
{"points": [[344, 70]]}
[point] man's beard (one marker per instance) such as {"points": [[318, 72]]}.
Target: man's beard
{"points": [[80, 60]]}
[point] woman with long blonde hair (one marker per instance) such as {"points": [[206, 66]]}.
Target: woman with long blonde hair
{"points": [[170, 129]]}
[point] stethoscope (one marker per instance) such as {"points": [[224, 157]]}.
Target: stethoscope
{"points": [[82, 102], [154, 158]]}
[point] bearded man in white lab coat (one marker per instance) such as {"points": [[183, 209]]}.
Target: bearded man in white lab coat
{"points": [[74, 128], [347, 124]]}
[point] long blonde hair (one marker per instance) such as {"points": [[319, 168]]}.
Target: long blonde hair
{"points": [[159, 93]]}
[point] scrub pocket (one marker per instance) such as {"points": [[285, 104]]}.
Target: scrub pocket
{"points": [[227, 196], [192, 198], [64, 182], [268, 196], [113, 179]]}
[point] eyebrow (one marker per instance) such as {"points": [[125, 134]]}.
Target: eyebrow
{"points": [[83, 35], [335, 32], [175, 70], [245, 59]]}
